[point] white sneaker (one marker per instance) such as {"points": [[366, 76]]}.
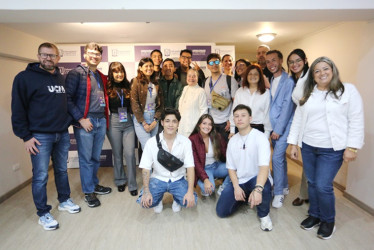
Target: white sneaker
{"points": [[266, 224], [158, 209], [220, 189], [48, 222], [176, 207], [278, 201], [286, 191], [69, 206]]}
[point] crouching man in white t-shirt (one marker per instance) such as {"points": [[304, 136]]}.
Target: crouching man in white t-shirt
{"points": [[248, 157], [162, 180]]}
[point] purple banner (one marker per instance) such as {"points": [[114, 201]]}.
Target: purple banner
{"points": [[73, 143], [106, 158], [144, 51], [200, 53], [104, 56], [66, 67]]}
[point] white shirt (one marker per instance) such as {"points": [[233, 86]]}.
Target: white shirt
{"points": [[345, 120], [298, 91], [247, 161], [150, 104], [221, 88], [182, 149], [274, 85], [259, 104], [192, 105], [315, 132], [209, 157]]}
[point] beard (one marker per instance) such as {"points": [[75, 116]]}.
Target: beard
{"points": [[49, 66]]}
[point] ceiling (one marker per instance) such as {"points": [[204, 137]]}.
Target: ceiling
{"points": [[223, 27]]}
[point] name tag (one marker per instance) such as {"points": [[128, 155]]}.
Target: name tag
{"points": [[122, 114]]}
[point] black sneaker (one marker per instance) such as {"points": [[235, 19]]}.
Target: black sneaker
{"points": [[309, 223], [326, 229], [102, 190], [91, 200]]}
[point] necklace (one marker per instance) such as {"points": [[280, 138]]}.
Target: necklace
{"points": [[241, 137]]}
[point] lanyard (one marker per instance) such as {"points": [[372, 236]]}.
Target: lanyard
{"points": [[97, 77], [211, 85], [120, 97]]}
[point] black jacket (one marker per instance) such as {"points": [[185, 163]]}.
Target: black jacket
{"points": [[39, 102]]}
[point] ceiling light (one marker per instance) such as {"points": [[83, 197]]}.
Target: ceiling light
{"points": [[266, 37]]}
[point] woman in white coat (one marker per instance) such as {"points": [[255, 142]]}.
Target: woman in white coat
{"points": [[192, 103], [329, 127]]}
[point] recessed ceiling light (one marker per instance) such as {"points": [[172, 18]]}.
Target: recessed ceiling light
{"points": [[266, 37]]}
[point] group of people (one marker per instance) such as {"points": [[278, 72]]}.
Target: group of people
{"points": [[192, 130]]}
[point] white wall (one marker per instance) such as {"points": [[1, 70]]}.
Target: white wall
{"points": [[351, 47], [13, 43]]}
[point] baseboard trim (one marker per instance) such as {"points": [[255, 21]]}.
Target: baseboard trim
{"points": [[14, 190], [359, 203]]}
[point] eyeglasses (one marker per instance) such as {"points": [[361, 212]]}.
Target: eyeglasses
{"points": [[211, 63], [186, 57], [92, 54], [296, 61], [45, 55], [240, 65]]}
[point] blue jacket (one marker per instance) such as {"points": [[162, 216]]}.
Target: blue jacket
{"points": [[78, 89], [281, 105], [39, 103]]}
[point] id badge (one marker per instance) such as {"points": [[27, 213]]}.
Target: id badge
{"points": [[209, 103], [122, 114], [101, 98], [151, 106]]}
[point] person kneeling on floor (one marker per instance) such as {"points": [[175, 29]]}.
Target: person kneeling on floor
{"points": [[169, 156], [248, 157]]}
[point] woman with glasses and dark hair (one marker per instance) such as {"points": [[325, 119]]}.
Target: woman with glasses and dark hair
{"points": [[298, 66], [254, 94], [192, 103], [241, 66], [209, 151], [147, 101], [329, 127], [121, 131]]}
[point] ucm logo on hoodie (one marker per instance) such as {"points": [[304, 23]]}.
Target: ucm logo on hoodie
{"points": [[56, 89]]}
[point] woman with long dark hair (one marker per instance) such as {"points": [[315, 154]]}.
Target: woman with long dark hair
{"points": [[329, 127], [147, 101], [298, 67], [254, 94], [209, 151], [241, 66], [121, 131]]}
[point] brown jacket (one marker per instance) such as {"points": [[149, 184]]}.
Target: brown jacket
{"points": [[139, 98]]}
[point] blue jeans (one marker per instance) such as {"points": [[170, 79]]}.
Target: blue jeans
{"points": [[215, 170], [122, 139], [227, 204], [177, 188], [55, 145], [279, 164], [139, 129], [89, 149], [321, 166]]}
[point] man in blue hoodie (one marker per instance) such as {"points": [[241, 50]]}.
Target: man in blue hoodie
{"points": [[40, 117]]}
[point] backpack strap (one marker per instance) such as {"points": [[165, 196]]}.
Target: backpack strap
{"points": [[158, 141], [228, 81]]}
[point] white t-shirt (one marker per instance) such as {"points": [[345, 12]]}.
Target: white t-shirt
{"points": [[247, 161], [209, 157], [182, 149], [221, 88], [150, 104]]}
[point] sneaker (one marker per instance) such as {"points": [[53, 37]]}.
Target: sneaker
{"points": [[286, 191], [48, 222], [309, 223], [326, 229], [220, 189], [69, 206], [266, 224], [102, 190], [92, 200], [278, 201], [158, 209], [176, 207]]}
